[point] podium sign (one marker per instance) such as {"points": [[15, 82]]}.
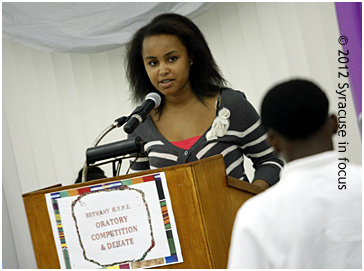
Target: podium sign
{"points": [[204, 200], [119, 224]]}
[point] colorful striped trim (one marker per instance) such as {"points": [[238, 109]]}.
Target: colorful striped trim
{"points": [[79, 191], [145, 264], [62, 238], [105, 186]]}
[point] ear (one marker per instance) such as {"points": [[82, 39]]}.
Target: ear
{"points": [[274, 140], [333, 123]]}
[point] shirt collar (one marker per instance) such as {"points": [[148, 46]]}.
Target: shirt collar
{"points": [[309, 163]]}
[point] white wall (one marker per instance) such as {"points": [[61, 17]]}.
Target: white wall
{"points": [[55, 105]]}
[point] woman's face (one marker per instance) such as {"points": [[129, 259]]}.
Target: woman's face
{"points": [[167, 64]]}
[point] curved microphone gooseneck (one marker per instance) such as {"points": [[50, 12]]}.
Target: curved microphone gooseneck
{"points": [[152, 100]]}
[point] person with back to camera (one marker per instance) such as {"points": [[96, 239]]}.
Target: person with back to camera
{"points": [[198, 117], [307, 220]]}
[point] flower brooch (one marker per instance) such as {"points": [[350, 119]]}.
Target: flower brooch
{"points": [[220, 125]]}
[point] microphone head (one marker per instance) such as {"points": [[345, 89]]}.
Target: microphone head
{"points": [[155, 97]]}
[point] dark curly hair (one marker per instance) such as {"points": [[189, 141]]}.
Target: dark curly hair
{"points": [[295, 109], [205, 76]]}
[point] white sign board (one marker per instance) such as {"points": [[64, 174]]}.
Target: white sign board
{"points": [[123, 224]]}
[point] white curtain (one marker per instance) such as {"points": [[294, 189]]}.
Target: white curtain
{"points": [[84, 27], [55, 104]]}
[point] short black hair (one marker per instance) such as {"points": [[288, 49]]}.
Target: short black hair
{"points": [[295, 109], [205, 77]]}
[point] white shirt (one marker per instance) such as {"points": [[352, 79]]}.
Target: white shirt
{"points": [[304, 221]]}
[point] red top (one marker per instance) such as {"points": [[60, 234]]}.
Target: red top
{"points": [[187, 143]]}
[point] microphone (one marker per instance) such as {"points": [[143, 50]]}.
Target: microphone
{"points": [[153, 100], [115, 149]]}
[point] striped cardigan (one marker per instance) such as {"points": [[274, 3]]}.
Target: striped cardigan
{"points": [[244, 137]]}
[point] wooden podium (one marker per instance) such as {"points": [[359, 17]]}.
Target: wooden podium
{"points": [[204, 202]]}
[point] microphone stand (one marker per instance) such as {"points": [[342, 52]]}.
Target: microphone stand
{"points": [[134, 117], [116, 124]]}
